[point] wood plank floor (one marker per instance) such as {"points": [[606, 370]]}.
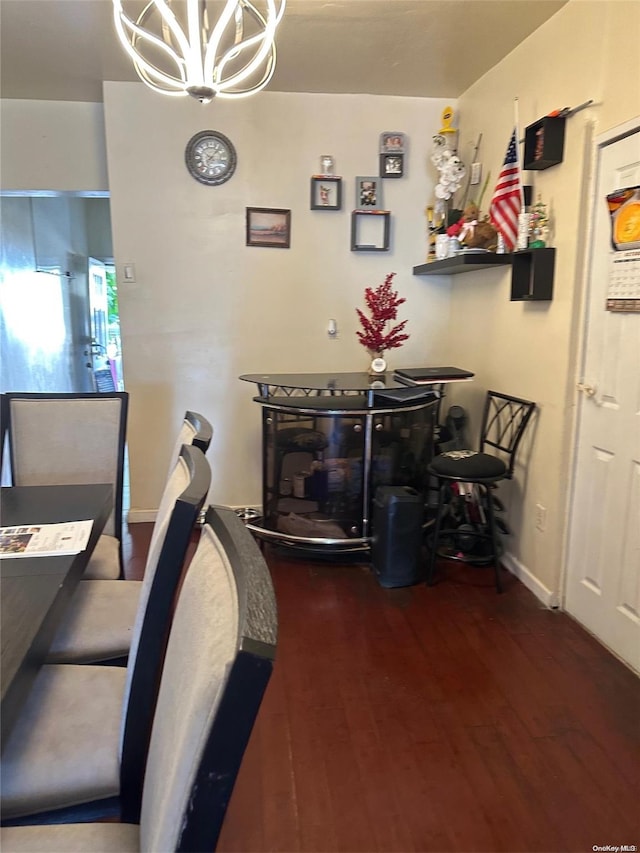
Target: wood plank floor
{"points": [[447, 718]]}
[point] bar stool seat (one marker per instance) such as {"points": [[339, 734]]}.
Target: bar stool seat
{"points": [[469, 465]]}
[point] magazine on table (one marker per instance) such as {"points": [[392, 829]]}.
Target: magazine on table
{"points": [[44, 540]]}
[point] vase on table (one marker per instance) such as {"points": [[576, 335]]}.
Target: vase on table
{"points": [[378, 363]]}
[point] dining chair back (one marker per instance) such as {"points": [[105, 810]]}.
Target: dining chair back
{"points": [[181, 503], [4, 427], [218, 663], [59, 439], [195, 429]]}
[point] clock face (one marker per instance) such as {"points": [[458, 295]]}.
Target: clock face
{"points": [[210, 157]]}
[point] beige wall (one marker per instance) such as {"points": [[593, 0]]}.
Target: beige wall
{"points": [[588, 50], [52, 145], [206, 308]]}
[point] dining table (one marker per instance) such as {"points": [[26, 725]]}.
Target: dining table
{"points": [[35, 591]]}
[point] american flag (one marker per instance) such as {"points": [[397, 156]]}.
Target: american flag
{"points": [[507, 199]]}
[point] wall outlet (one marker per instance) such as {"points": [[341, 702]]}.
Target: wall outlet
{"points": [[541, 518], [476, 173]]}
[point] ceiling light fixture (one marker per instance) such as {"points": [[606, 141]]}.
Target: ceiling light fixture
{"points": [[176, 50]]}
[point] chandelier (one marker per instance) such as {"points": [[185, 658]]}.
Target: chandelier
{"points": [[179, 47]]}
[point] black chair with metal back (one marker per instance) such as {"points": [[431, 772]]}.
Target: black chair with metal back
{"points": [[504, 421]]}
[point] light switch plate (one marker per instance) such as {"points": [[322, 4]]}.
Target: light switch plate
{"points": [[129, 271]]}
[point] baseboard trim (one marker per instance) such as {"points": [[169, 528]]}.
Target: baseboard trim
{"points": [[547, 596], [138, 516]]}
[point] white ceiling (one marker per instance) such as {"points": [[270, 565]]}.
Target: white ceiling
{"points": [[64, 49]]}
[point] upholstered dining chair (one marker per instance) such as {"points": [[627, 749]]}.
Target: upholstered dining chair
{"points": [[504, 420], [219, 660], [73, 438], [196, 430], [84, 729], [98, 623], [4, 427]]}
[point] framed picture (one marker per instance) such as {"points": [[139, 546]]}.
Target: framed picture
{"points": [[368, 193], [392, 142], [326, 192], [391, 165], [268, 226]]}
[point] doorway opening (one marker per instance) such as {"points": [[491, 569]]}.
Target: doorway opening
{"points": [[106, 344]]}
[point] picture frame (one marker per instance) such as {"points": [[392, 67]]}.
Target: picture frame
{"points": [[369, 193], [269, 227], [391, 165], [392, 142], [326, 192]]}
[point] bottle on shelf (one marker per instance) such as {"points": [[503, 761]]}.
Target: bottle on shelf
{"points": [[524, 220], [539, 226], [431, 234]]}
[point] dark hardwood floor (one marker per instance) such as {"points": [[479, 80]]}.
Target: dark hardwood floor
{"points": [[447, 718]]}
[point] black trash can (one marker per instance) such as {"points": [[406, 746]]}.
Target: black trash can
{"points": [[397, 535]]}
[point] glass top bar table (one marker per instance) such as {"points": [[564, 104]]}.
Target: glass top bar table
{"points": [[328, 441]]}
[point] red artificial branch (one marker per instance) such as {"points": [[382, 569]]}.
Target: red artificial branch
{"points": [[383, 303]]}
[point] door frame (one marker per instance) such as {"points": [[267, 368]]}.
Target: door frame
{"points": [[603, 140]]}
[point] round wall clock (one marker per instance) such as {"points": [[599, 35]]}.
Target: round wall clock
{"points": [[210, 157]]}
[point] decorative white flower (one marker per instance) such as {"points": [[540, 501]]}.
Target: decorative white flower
{"points": [[450, 167]]}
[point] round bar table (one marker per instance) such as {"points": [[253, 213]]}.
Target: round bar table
{"points": [[328, 441]]}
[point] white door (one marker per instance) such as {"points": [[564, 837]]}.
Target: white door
{"points": [[603, 573], [103, 376]]}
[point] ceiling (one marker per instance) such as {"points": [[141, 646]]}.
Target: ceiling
{"points": [[64, 49]]}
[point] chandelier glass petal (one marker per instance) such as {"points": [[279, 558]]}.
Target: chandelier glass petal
{"points": [[203, 48]]}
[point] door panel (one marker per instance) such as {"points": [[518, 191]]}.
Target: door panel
{"points": [[603, 589]]}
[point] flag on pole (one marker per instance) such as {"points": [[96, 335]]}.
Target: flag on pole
{"points": [[507, 199]]}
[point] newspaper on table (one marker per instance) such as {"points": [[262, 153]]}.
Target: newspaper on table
{"points": [[44, 540]]}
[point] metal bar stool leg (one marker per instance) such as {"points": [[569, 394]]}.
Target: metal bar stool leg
{"points": [[436, 533], [494, 536]]}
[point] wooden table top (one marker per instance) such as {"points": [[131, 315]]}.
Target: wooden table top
{"points": [[34, 591]]}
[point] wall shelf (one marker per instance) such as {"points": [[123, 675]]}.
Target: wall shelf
{"points": [[544, 143], [463, 263], [370, 230], [532, 275]]}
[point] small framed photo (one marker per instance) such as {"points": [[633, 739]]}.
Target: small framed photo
{"points": [[368, 193], [326, 192], [391, 165], [269, 226], [392, 142]]}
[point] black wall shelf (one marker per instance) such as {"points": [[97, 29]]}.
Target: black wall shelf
{"points": [[544, 143], [463, 263], [532, 275]]}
